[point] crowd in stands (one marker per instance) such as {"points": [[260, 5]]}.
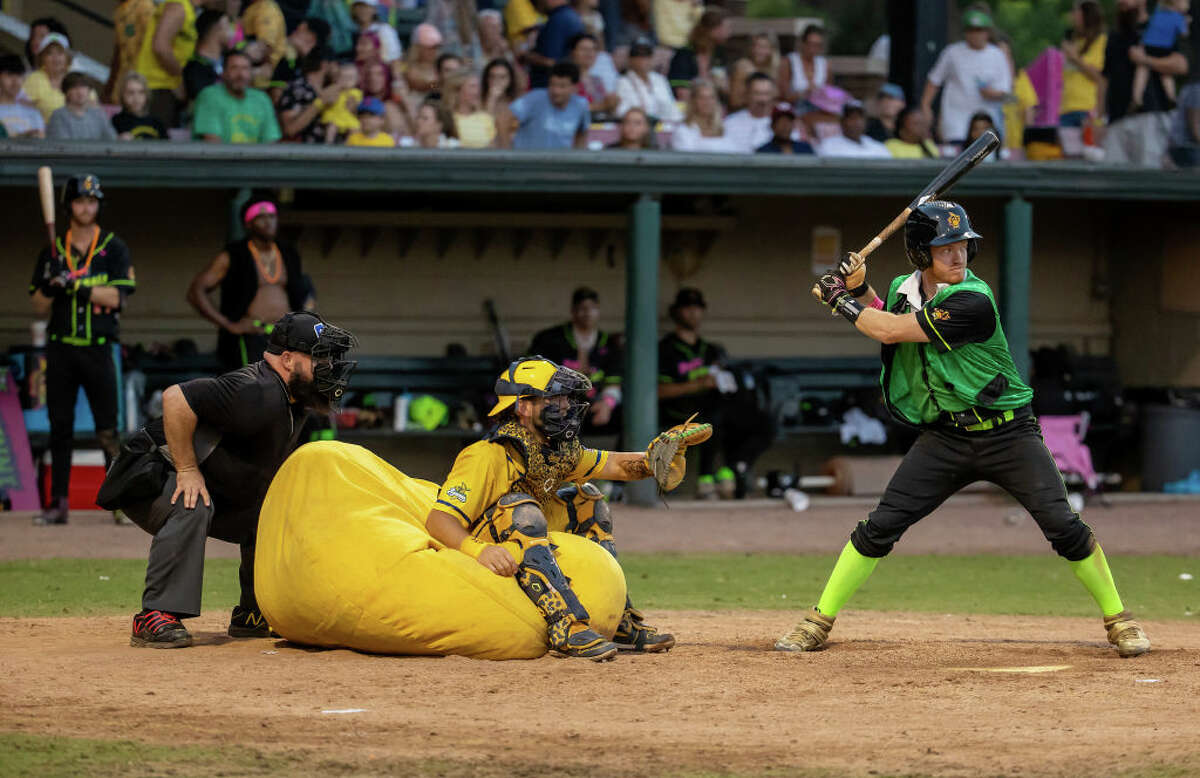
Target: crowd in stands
{"points": [[544, 74]]}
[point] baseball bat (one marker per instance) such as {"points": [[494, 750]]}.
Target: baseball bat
{"points": [[499, 334], [45, 180], [964, 163]]}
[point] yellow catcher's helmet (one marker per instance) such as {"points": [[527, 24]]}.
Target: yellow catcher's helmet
{"points": [[538, 377]]}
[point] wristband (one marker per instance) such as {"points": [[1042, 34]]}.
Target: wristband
{"points": [[849, 307], [860, 290], [472, 547]]}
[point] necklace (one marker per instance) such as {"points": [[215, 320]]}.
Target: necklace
{"points": [[91, 253], [276, 266]]}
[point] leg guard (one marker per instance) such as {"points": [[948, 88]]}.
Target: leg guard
{"points": [[588, 514]]}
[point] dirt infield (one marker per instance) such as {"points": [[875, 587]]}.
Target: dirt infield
{"points": [[895, 694]]}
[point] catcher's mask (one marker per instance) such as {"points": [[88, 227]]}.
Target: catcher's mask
{"points": [[327, 344], [539, 377], [937, 223]]}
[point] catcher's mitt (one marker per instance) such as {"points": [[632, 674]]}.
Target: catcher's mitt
{"points": [[665, 454]]}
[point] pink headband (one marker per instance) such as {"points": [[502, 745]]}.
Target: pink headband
{"points": [[258, 209]]}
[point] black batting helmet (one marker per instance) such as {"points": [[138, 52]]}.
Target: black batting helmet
{"points": [[937, 223], [81, 185]]}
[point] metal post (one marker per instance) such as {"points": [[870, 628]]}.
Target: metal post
{"points": [[1015, 275], [237, 230], [641, 336]]}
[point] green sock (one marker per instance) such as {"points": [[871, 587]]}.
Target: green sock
{"points": [[1094, 574], [848, 574]]}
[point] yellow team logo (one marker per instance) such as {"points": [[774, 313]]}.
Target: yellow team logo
{"points": [[954, 220], [940, 314]]}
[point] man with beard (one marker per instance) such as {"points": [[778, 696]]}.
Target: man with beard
{"points": [[82, 284], [260, 279], [528, 477], [223, 439]]}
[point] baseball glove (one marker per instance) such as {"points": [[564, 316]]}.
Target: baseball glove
{"points": [[665, 456]]}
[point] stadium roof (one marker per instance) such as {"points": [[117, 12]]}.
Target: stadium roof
{"points": [[202, 165]]}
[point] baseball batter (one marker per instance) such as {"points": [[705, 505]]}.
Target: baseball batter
{"points": [[947, 369], [528, 477]]}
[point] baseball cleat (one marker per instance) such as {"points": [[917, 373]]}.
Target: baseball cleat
{"points": [[246, 623], [585, 643], [634, 635], [54, 513], [1127, 635], [808, 635], [158, 629]]}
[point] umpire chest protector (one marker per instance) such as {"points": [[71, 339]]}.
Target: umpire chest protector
{"points": [[927, 383]]}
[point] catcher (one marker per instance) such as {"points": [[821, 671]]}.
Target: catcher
{"points": [[528, 477]]}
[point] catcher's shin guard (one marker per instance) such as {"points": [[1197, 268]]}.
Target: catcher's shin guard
{"points": [[567, 629], [809, 635]]}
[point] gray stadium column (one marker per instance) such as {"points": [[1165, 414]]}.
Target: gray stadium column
{"points": [[1015, 278], [641, 336], [237, 230]]}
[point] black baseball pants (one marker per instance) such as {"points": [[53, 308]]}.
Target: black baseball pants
{"points": [[67, 369], [940, 463]]}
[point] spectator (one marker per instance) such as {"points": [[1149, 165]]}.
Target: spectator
{"points": [[674, 20], [703, 56], [475, 127], [823, 119], [434, 128], [581, 345], [1136, 137], [168, 44], [750, 128], [43, 87], [492, 43], [589, 14], [133, 123], [456, 20], [783, 123], [448, 64], [643, 87], [499, 89], [1083, 51], [636, 133], [365, 14], [692, 379], [376, 81], [1166, 26], [311, 33], [912, 136], [372, 120], [303, 101], [263, 21], [339, 117], [522, 21], [562, 24], [233, 111], [889, 102], [18, 119], [214, 32], [634, 23], [38, 30], [980, 123], [702, 128], [1184, 141], [591, 87], [421, 71], [806, 68], [973, 75], [554, 117], [763, 58], [367, 49], [853, 142], [130, 19], [79, 118]]}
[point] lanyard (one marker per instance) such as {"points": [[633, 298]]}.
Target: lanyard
{"points": [[274, 277], [91, 253]]}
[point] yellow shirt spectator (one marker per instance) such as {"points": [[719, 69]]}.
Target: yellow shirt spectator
{"points": [[902, 150], [1079, 91], [476, 130], [1017, 111], [674, 20], [519, 16], [42, 94], [381, 140], [263, 20], [183, 46], [130, 20], [339, 114]]}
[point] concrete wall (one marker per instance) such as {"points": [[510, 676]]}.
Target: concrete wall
{"points": [[756, 277]]}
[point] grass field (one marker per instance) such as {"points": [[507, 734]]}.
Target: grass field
{"points": [[1028, 585]]}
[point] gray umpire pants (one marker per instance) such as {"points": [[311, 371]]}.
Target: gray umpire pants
{"points": [[175, 568]]}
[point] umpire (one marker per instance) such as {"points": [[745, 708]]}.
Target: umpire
{"points": [[223, 439], [947, 369], [82, 285]]}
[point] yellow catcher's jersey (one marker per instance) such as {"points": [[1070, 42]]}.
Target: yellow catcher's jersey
{"points": [[487, 470]]}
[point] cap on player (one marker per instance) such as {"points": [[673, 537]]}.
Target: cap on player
{"points": [[537, 377]]}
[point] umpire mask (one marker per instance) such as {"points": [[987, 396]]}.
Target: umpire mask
{"points": [[327, 344]]}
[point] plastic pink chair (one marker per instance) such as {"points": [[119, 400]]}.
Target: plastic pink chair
{"points": [[1064, 438]]}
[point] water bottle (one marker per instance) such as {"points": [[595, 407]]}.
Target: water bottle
{"points": [[796, 499]]}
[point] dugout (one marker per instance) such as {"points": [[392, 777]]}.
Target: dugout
{"points": [[404, 246]]}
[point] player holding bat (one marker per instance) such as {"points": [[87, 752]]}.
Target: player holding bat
{"points": [[947, 370], [81, 280]]}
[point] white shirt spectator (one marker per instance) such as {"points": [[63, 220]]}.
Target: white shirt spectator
{"points": [[800, 82], [605, 70], [960, 72], [655, 98], [390, 49], [865, 147], [687, 137], [747, 133]]}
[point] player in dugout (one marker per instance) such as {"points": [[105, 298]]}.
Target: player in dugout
{"points": [[529, 477], [948, 371]]}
